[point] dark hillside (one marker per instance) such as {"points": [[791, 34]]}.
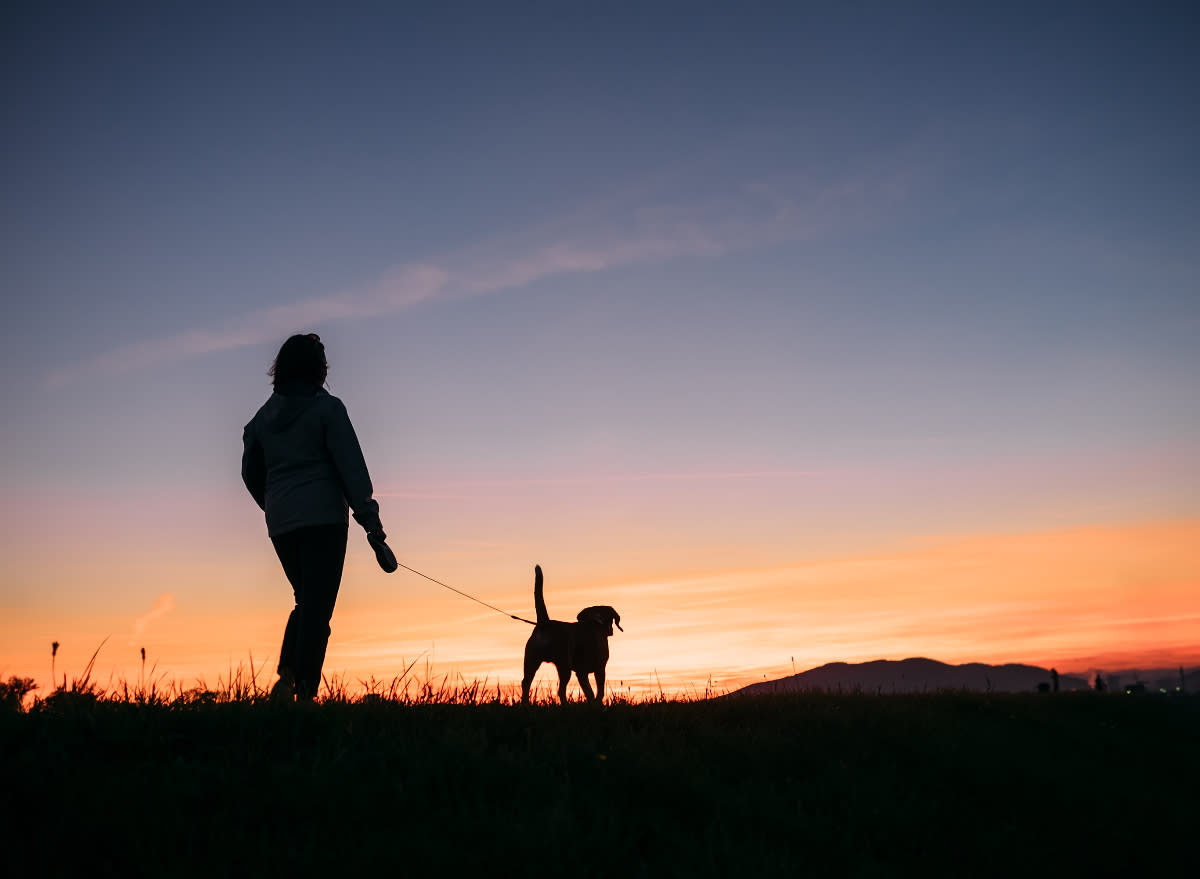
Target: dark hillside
{"points": [[915, 676]]}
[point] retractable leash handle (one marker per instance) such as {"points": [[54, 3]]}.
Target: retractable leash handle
{"points": [[383, 553]]}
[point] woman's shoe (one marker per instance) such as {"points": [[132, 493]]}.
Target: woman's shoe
{"points": [[284, 689]]}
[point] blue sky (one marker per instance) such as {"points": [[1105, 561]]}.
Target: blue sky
{"points": [[941, 255]]}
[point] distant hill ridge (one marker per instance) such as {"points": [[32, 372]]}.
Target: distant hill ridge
{"points": [[914, 676]]}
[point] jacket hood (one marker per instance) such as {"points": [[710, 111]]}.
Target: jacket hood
{"points": [[287, 404]]}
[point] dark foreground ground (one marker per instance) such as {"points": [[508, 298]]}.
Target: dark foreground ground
{"points": [[946, 784]]}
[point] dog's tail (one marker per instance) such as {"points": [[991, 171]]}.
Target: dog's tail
{"points": [[538, 602]]}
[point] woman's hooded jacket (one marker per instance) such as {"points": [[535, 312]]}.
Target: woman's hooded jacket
{"points": [[302, 463]]}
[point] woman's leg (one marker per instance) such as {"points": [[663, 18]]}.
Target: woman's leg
{"points": [[323, 576], [312, 559], [290, 549]]}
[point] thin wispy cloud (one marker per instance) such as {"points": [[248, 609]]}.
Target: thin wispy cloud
{"points": [[598, 479], [395, 291], [754, 214], [163, 605]]}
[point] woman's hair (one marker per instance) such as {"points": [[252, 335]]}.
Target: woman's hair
{"points": [[300, 358]]}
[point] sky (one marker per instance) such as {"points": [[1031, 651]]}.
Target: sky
{"points": [[797, 332]]}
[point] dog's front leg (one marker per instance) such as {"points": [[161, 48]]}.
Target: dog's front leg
{"points": [[585, 685], [600, 683]]}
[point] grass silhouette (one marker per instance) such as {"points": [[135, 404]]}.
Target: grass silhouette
{"points": [[449, 775]]}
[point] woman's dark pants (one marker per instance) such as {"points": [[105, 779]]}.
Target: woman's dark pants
{"points": [[312, 558]]}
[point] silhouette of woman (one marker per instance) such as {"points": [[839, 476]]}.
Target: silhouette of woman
{"points": [[303, 466]]}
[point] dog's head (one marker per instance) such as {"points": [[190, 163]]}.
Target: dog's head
{"points": [[602, 616]]}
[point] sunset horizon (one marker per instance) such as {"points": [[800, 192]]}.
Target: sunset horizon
{"points": [[484, 645]]}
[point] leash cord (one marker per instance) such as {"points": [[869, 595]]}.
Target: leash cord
{"points": [[465, 595]]}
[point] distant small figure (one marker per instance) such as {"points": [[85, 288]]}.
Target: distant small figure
{"points": [[304, 467], [1099, 684], [1054, 679]]}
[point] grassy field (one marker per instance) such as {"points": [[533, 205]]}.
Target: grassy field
{"points": [[818, 784]]}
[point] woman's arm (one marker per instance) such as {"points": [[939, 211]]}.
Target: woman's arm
{"points": [[254, 467], [347, 455]]}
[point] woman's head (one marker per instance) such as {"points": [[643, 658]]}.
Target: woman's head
{"points": [[301, 358]]}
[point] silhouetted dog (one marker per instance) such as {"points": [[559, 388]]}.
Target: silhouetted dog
{"points": [[580, 647]]}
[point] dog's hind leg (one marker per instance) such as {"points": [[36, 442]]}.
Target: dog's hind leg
{"points": [[586, 686]]}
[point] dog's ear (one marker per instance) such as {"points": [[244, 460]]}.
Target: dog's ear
{"points": [[616, 618]]}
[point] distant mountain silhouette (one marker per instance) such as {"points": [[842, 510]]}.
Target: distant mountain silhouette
{"points": [[915, 676]]}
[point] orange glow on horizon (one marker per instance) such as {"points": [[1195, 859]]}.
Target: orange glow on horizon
{"points": [[1079, 599]]}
